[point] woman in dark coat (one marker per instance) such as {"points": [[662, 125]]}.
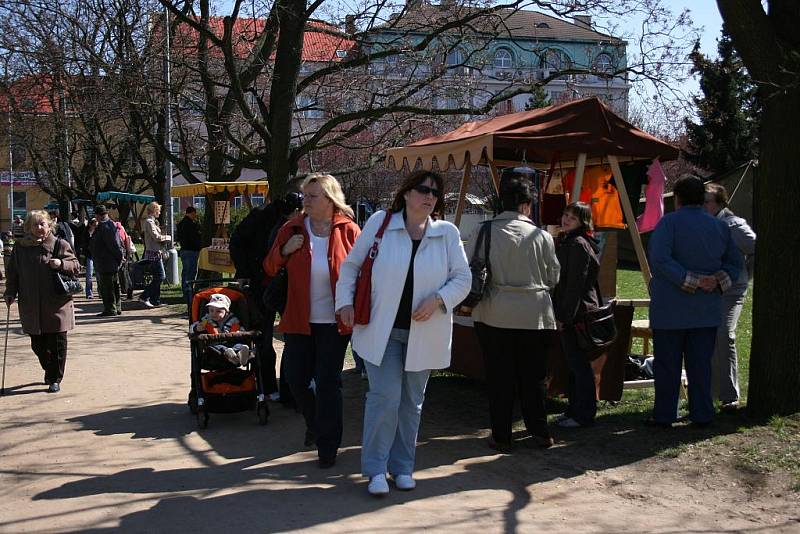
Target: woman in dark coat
{"points": [[46, 316], [578, 255]]}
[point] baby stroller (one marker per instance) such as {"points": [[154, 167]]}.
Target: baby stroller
{"points": [[138, 273], [219, 386]]}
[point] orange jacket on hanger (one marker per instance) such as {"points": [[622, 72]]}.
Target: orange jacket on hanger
{"points": [[598, 191]]}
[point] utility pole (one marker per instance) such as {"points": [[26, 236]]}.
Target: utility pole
{"points": [[168, 128], [10, 175]]}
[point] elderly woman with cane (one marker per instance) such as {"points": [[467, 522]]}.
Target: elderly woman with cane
{"points": [[46, 315]]}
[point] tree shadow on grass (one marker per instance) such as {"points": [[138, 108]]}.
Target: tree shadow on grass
{"points": [[452, 435]]}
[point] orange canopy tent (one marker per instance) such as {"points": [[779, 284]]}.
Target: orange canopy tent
{"points": [[579, 133]]}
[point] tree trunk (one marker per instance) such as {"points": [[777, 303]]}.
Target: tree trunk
{"points": [[768, 45], [775, 353], [284, 90]]}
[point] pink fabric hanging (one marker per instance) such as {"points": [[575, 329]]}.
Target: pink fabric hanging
{"points": [[654, 198]]}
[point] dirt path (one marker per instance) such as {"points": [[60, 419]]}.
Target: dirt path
{"points": [[117, 449]]}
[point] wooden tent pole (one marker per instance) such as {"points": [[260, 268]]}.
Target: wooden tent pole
{"points": [[631, 221], [495, 176], [462, 192], [580, 166]]}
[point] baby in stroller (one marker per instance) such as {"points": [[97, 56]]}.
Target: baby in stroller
{"points": [[219, 320]]}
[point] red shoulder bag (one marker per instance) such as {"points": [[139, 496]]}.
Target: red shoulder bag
{"points": [[363, 297]]}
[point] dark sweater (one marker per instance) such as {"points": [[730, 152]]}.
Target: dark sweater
{"points": [[575, 293]]}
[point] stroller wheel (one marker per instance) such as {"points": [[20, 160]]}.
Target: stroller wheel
{"points": [[263, 413], [202, 419]]}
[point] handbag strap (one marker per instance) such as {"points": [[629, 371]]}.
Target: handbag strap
{"points": [[373, 251], [56, 249]]}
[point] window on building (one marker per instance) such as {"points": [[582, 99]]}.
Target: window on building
{"points": [[503, 59], [19, 203], [238, 201], [199, 202], [176, 206], [603, 63], [543, 25], [555, 60], [307, 107], [341, 53], [257, 200], [455, 57], [19, 156]]}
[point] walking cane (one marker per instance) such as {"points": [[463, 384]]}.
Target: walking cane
{"points": [[5, 351]]}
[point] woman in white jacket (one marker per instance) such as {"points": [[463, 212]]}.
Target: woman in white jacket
{"points": [[419, 275]]}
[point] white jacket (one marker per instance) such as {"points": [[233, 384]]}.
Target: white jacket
{"points": [[440, 266]]}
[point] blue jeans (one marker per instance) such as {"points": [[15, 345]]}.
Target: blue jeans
{"points": [[725, 373], [694, 347], [392, 412], [89, 273], [319, 356], [188, 272], [153, 291]]}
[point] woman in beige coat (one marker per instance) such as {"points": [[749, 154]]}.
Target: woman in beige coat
{"points": [[514, 321], [46, 316], [154, 240]]}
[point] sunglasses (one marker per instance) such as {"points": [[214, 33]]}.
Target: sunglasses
{"points": [[425, 190]]}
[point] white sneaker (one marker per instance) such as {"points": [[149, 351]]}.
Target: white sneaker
{"points": [[147, 303], [244, 355], [404, 482], [231, 355], [378, 485], [569, 422]]}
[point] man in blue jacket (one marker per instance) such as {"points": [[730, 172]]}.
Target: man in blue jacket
{"points": [[694, 260]]}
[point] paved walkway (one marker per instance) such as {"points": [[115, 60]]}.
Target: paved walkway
{"points": [[118, 450]]}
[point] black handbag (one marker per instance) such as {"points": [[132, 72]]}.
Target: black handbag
{"points": [[65, 284], [277, 292], [596, 329], [480, 267]]}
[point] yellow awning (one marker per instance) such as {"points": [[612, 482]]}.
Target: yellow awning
{"points": [[212, 188]]}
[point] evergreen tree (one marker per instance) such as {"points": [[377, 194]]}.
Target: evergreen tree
{"points": [[727, 133], [538, 99]]}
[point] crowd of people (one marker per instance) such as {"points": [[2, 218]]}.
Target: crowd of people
{"points": [[539, 288]]}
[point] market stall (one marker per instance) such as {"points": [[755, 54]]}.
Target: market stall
{"points": [[576, 135], [217, 257]]}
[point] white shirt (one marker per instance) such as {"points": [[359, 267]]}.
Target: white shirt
{"points": [[321, 293]]}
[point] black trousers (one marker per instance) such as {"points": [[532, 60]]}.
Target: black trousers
{"points": [[51, 349], [110, 292], [516, 367], [319, 356]]}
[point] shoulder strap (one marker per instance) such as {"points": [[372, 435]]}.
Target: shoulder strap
{"points": [[487, 246], [384, 224]]}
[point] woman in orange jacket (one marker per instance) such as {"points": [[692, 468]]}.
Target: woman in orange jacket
{"points": [[312, 247]]}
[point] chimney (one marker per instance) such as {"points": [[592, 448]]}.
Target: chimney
{"points": [[350, 24], [584, 21]]}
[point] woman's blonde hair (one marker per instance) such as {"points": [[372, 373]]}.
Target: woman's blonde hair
{"points": [[152, 207], [33, 218], [332, 189]]}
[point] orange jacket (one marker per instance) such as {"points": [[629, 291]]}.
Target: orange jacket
{"points": [[298, 264]]}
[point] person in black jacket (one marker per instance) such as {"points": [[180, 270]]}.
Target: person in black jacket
{"points": [[62, 229], [107, 254], [188, 235], [250, 242], [578, 255]]}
